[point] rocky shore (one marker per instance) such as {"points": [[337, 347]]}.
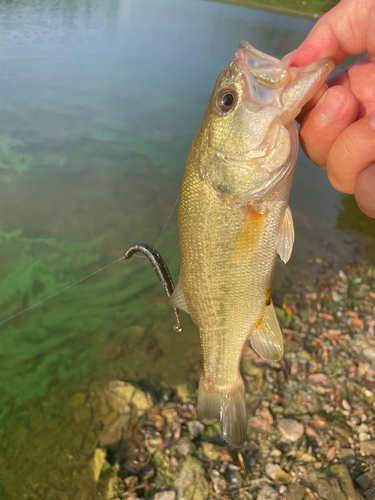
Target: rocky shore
{"points": [[311, 428]]}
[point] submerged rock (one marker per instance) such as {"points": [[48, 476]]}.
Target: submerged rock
{"points": [[130, 394], [191, 483], [97, 462]]}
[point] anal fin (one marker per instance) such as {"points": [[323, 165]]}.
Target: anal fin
{"points": [[267, 339], [178, 298], [229, 407], [285, 238]]}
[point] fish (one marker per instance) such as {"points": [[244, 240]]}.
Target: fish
{"points": [[234, 218]]}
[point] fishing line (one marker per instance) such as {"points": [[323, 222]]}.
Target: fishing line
{"points": [[33, 306], [165, 225], [60, 291], [162, 231]]}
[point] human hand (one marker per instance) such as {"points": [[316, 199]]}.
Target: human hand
{"points": [[338, 125]]}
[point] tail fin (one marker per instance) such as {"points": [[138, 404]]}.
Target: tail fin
{"points": [[228, 407]]}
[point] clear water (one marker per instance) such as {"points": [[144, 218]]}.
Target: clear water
{"points": [[99, 103]]}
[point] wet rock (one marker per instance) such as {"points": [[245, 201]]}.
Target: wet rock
{"points": [[195, 428], [296, 492], [218, 482], [341, 473], [131, 394], [185, 394], [97, 462], [347, 455], [211, 451], [268, 493], [191, 483], [273, 470], [367, 447], [364, 480], [185, 446], [290, 429], [304, 402], [328, 488], [165, 495], [113, 432], [369, 353]]}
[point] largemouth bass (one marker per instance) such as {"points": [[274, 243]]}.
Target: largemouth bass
{"points": [[234, 218]]}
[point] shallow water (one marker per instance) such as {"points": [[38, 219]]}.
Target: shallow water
{"points": [[99, 103]]}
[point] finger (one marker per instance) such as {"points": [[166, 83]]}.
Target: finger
{"points": [[345, 29], [312, 102], [371, 34], [352, 152], [335, 111], [364, 191]]}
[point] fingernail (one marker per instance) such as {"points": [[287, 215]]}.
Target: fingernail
{"points": [[332, 104]]}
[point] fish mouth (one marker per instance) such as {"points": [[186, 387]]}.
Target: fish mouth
{"points": [[265, 75], [268, 78]]}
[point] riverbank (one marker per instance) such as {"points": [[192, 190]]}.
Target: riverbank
{"points": [[311, 428], [305, 8]]}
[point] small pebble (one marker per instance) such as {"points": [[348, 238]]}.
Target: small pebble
{"points": [[165, 495], [363, 428], [364, 436], [342, 275], [272, 470], [336, 297], [185, 446], [290, 429], [275, 453], [369, 353], [195, 428], [282, 489]]}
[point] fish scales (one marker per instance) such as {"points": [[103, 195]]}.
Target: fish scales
{"points": [[234, 218]]}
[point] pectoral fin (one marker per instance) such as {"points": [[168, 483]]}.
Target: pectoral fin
{"points": [[285, 238], [267, 339], [178, 298]]}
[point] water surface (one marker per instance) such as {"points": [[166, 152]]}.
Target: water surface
{"points": [[99, 103]]}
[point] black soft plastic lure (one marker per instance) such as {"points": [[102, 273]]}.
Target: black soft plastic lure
{"points": [[161, 270]]}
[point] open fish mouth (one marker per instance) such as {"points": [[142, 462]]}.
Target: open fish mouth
{"points": [[265, 75]]}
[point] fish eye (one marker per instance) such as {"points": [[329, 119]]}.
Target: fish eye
{"points": [[226, 100]]}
